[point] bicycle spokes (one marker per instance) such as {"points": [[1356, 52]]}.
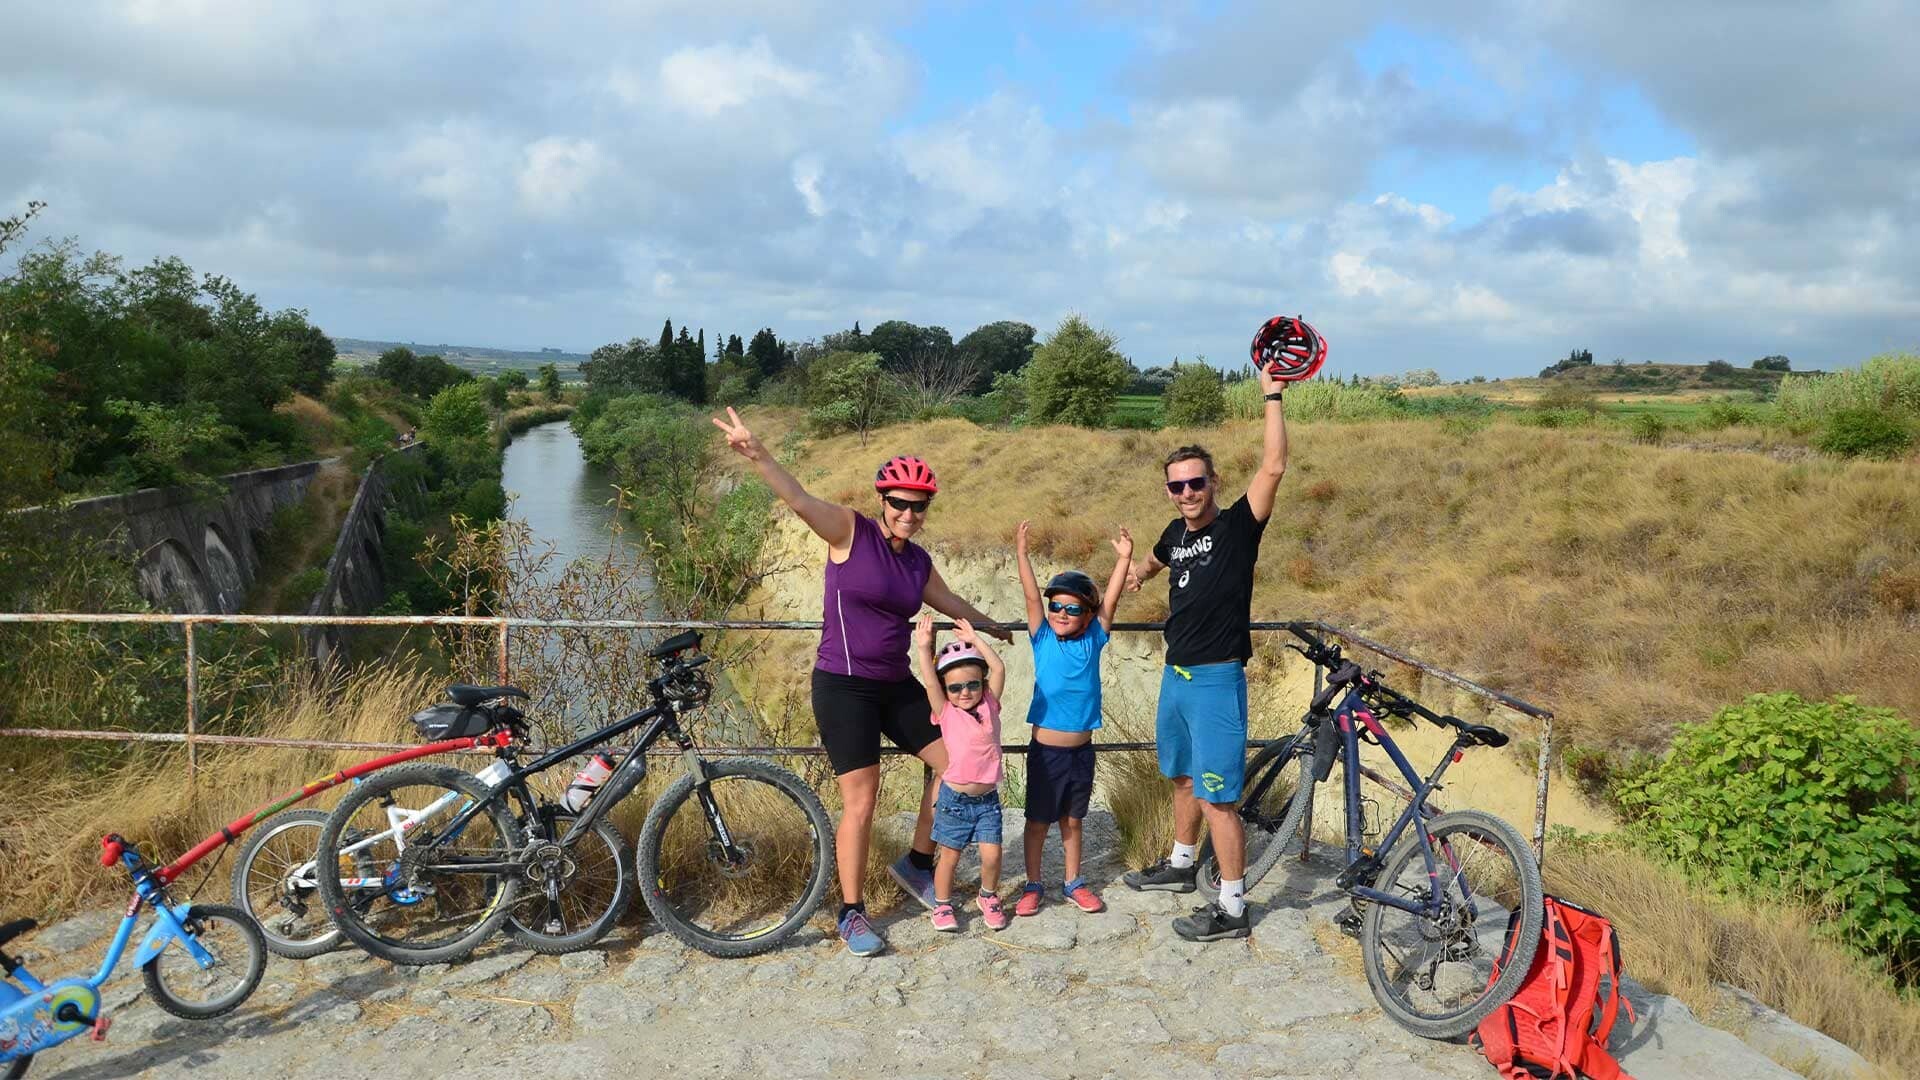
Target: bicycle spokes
{"points": [[731, 858]]}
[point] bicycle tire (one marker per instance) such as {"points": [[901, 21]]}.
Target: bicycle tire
{"points": [[527, 911], [279, 933], [1485, 938], [355, 914], [1267, 775], [672, 901], [175, 958]]}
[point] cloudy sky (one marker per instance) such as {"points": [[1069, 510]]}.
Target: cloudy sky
{"points": [[1475, 187]]}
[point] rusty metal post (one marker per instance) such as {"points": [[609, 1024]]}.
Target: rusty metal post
{"points": [[193, 705], [1544, 768], [503, 652]]}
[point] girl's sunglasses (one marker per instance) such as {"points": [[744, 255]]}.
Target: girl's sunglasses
{"points": [[907, 506], [1192, 483], [963, 687], [1075, 610]]}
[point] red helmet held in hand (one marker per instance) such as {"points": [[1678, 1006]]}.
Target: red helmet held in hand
{"points": [[1289, 349], [906, 472]]}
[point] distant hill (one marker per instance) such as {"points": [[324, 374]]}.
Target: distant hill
{"points": [[475, 358], [1689, 380]]}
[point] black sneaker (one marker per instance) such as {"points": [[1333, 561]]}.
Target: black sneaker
{"points": [[1161, 876], [1210, 923]]}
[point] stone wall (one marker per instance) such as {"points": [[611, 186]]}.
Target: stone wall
{"points": [[356, 579]]}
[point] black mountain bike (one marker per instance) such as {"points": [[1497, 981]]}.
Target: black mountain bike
{"points": [[733, 857], [1431, 910]]}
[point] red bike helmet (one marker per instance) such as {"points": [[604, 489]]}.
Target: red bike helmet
{"points": [[1289, 349], [905, 472]]}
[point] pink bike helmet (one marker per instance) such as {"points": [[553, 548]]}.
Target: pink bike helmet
{"points": [[905, 472], [1289, 349], [956, 652]]}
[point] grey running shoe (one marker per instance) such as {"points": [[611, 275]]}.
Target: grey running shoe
{"points": [[1162, 877], [859, 935], [917, 882], [1210, 922]]}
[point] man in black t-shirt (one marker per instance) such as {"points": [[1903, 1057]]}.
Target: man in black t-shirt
{"points": [[1201, 726]]}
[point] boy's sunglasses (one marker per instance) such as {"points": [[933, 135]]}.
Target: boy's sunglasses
{"points": [[963, 687], [1191, 483], [1075, 610], [907, 506]]}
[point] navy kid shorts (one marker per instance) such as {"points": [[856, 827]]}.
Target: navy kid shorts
{"points": [[1059, 781]]}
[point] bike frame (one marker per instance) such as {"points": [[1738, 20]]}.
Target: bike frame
{"points": [[31, 1022], [1349, 719]]}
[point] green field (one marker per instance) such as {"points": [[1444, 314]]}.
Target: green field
{"points": [[1136, 410]]}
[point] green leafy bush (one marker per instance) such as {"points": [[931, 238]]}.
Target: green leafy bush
{"points": [[1648, 428], [1864, 432], [1195, 397], [1075, 376], [1722, 414], [1815, 800]]}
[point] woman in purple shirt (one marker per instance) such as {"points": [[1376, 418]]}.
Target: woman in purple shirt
{"points": [[877, 578]]}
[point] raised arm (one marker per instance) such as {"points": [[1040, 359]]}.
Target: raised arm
{"points": [[942, 599], [830, 521], [996, 669], [1143, 570], [923, 653], [1029, 585], [1117, 581], [1273, 459]]}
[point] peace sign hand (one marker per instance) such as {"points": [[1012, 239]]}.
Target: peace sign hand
{"points": [[739, 439]]}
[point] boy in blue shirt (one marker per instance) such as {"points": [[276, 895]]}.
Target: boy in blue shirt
{"points": [[1067, 632]]}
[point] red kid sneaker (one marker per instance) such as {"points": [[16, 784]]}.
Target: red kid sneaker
{"points": [[1084, 897], [1030, 897]]}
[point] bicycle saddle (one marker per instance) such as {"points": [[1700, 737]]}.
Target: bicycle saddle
{"points": [[1482, 733], [15, 928], [469, 696], [681, 642]]}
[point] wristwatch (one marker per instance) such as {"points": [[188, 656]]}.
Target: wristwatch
{"points": [[1275, 396]]}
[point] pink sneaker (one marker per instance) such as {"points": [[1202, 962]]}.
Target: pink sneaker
{"points": [[944, 919], [992, 913], [1030, 897], [1085, 898]]}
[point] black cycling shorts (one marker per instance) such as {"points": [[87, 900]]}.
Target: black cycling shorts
{"points": [[853, 712]]}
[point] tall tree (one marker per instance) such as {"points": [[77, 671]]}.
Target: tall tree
{"points": [[996, 347], [734, 347], [765, 353], [666, 337], [1075, 375]]}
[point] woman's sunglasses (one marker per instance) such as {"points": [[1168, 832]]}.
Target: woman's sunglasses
{"points": [[907, 506], [1075, 610], [963, 687], [1191, 483]]}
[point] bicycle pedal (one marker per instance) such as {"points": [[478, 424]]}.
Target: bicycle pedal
{"points": [[100, 1025], [1349, 922]]}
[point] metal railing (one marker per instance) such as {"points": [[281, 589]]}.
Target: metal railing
{"points": [[193, 738]]}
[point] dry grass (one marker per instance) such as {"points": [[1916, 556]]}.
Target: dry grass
{"points": [[1681, 941], [1630, 587], [49, 862], [322, 429]]}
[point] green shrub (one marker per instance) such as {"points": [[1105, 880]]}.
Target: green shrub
{"points": [[1722, 414], [1466, 425], [1195, 397], [1554, 418], [1890, 381], [302, 586], [1647, 428], [1815, 800], [1865, 432], [1317, 399], [1075, 375]]}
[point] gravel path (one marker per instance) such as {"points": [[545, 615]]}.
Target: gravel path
{"points": [[1062, 994]]}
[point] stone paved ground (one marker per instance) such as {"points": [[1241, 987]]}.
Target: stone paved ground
{"points": [[1063, 994]]}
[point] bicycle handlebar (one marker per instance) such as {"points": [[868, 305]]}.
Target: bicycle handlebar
{"points": [[111, 848]]}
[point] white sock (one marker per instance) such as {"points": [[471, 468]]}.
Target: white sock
{"points": [[1233, 896], [1183, 855]]}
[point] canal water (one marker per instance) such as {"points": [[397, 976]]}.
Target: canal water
{"points": [[561, 497]]}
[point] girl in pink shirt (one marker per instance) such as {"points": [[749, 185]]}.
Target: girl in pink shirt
{"points": [[963, 687]]}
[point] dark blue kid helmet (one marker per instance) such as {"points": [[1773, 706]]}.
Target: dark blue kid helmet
{"points": [[1074, 583]]}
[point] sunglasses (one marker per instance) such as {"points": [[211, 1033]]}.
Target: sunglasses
{"points": [[1075, 610], [1191, 483], [963, 687], [907, 506]]}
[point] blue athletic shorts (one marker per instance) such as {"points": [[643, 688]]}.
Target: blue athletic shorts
{"points": [[1201, 727], [959, 820]]}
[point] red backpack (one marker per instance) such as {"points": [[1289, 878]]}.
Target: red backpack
{"points": [[1557, 1024]]}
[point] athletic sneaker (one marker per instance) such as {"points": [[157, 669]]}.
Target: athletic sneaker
{"points": [[1209, 922], [992, 913], [917, 882], [1030, 897], [945, 920], [1083, 896], [859, 935], [1161, 876]]}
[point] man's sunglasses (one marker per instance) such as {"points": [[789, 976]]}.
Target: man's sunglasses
{"points": [[1075, 610], [907, 506], [963, 687], [1191, 483]]}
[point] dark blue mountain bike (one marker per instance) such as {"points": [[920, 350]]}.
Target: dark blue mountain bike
{"points": [[1431, 903]]}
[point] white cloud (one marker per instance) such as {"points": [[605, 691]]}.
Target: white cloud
{"points": [[555, 171], [711, 79]]}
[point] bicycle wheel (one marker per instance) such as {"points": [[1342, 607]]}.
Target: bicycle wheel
{"points": [[1273, 800], [778, 825], [17, 1068], [1434, 974], [273, 881], [588, 894], [430, 905], [182, 987]]}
